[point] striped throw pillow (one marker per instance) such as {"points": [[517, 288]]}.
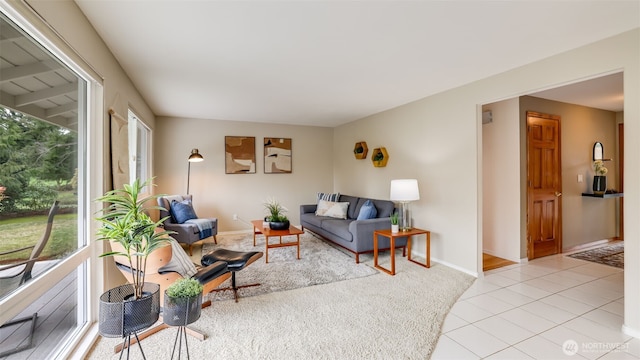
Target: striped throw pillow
{"points": [[328, 197]]}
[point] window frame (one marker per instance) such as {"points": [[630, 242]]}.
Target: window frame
{"points": [[85, 259]]}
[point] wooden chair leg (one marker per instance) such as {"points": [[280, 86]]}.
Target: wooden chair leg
{"points": [[190, 249], [215, 240]]}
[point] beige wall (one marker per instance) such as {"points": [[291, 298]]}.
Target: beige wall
{"points": [[584, 219], [438, 141], [222, 195], [501, 181]]}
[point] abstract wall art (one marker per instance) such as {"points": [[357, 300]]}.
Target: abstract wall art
{"points": [[240, 154], [277, 156]]}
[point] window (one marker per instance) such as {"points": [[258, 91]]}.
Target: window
{"points": [[44, 106], [139, 139]]}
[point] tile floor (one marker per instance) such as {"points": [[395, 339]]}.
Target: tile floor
{"points": [[550, 308]]}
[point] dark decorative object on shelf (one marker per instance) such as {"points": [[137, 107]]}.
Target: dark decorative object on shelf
{"points": [[599, 184]]}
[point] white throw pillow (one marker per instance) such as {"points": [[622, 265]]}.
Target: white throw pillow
{"points": [[332, 209]]}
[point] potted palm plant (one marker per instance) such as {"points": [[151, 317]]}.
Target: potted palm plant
{"points": [[133, 235], [276, 218]]}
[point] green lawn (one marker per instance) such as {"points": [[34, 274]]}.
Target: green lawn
{"points": [[26, 231]]}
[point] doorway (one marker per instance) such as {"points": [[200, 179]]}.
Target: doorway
{"points": [[504, 169]]}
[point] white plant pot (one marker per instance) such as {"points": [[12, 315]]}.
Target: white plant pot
{"points": [[395, 228]]}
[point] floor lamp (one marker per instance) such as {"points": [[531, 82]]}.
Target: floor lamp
{"points": [[194, 157], [404, 191]]}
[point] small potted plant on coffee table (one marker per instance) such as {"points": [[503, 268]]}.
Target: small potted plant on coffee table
{"points": [[276, 218]]}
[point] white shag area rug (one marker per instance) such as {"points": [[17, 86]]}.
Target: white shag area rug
{"points": [[372, 317], [319, 263]]}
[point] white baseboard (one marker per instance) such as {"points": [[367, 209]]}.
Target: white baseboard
{"points": [[456, 267], [631, 332]]}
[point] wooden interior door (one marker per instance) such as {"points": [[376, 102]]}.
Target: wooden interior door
{"points": [[544, 185]]}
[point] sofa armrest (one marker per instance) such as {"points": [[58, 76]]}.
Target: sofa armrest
{"points": [[362, 230], [309, 208]]}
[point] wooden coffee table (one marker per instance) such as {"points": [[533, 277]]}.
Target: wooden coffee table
{"points": [[267, 232]]}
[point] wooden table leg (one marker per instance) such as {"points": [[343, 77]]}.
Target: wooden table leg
{"points": [[266, 249], [427, 263], [392, 254], [298, 246]]}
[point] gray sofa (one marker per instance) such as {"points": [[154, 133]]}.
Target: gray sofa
{"points": [[351, 234]]}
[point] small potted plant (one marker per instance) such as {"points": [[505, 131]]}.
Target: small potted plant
{"points": [[394, 222], [600, 179], [182, 302], [276, 218]]}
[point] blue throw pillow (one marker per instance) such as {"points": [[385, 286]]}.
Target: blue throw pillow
{"points": [[182, 211], [367, 211]]}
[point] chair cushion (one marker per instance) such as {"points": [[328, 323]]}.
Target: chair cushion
{"points": [[236, 260], [367, 211], [182, 211]]}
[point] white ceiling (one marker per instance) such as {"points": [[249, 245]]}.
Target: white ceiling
{"points": [[326, 63]]}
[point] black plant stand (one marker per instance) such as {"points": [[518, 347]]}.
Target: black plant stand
{"points": [[182, 332], [126, 342], [181, 312], [122, 317]]}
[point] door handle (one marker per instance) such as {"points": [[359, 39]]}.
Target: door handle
{"points": [[558, 194]]}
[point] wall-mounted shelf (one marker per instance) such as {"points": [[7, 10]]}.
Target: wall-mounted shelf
{"points": [[360, 150], [379, 157], [603, 196]]}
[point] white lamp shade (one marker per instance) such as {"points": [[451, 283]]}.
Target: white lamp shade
{"points": [[404, 190]]}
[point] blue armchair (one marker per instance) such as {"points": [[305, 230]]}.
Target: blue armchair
{"points": [[188, 231]]}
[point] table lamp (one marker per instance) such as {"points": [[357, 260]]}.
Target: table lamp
{"points": [[404, 191]]}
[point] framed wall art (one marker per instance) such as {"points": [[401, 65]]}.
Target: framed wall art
{"points": [[277, 156], [240, 154]]}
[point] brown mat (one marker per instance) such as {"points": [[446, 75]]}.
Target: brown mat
{"points": [[612, 255]]}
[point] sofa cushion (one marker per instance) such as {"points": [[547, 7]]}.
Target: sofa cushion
{"points": [[367, 211], [338, 227], [312, 219], [385, 207], [353, 201], [182, 211], [332, 209], [328, 197]]}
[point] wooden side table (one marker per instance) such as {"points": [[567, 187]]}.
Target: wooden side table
{"points": [[392, 240]]}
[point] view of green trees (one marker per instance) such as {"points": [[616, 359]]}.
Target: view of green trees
{"points": [[38, 163]]}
